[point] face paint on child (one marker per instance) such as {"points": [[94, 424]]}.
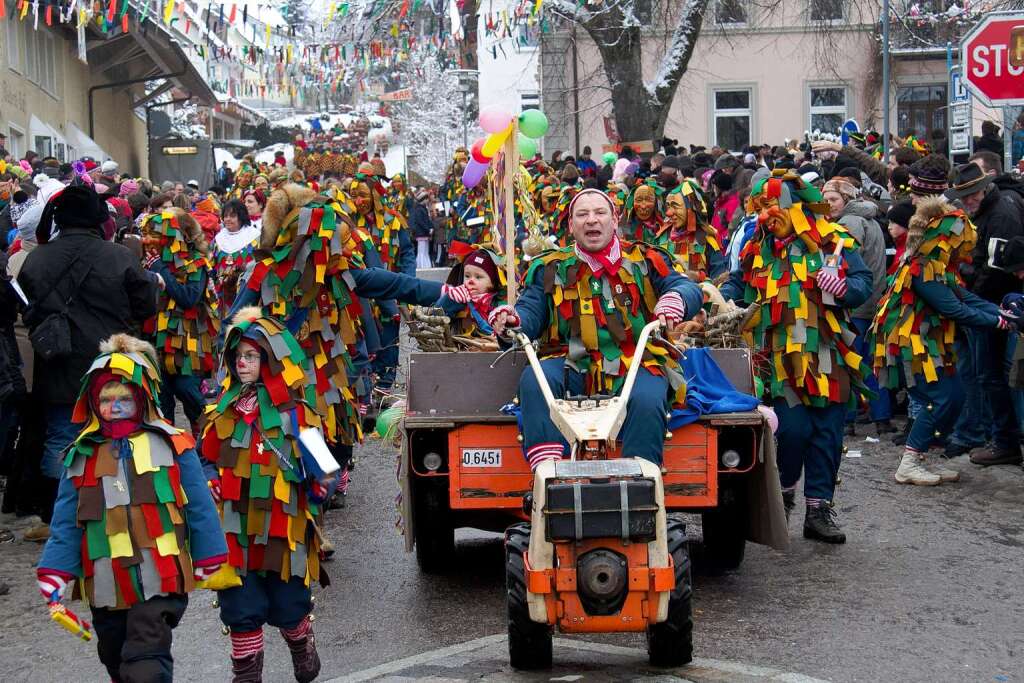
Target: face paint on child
{"points": [[478, 281], [117, 402], [247, 362]]}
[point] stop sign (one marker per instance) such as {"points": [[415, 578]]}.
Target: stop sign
{"points": [[988, 60]]}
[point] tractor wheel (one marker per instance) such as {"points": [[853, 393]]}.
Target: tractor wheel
{"points": [[529, 643], [433, 530], [670, 643], [725, 535]]}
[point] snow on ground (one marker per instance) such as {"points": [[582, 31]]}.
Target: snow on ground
{"points": [[267, 153]]}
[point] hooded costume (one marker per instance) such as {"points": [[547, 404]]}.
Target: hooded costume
{"points": [[695, 243], [916, 324], [803, 273], [269, 492], [134, 521], [187, 324], [648, 229]]}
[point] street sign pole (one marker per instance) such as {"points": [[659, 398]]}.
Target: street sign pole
{"points": [[959, 120]]}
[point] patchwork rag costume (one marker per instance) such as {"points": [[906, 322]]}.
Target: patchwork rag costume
{"points": [[803, 273], [689, 234], [586, 310], [232, 254], [134, 521], [644, 216], [918, 316], [268, 490], [187, 324]]}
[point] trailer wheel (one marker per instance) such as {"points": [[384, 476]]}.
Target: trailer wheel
{"points": [[433, 530], [725, 534], [529, 643], [670, 643]]}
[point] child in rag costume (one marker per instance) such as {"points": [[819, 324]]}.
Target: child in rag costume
{"points": [[134, 521]]}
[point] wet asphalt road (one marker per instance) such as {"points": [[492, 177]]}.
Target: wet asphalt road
{"points": [[930, 587]]}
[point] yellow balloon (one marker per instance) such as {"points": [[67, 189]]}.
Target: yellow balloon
{"points": [[495, 141]]}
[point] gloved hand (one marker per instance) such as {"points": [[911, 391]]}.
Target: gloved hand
{"points": [[502, 317], [1013, 303], [457, 293], [214, 485], [831, 283], [52, 586], [203, 573], [1008, 321], [670, 309]]}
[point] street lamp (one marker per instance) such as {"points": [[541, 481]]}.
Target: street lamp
{"points": [[467, 85]]}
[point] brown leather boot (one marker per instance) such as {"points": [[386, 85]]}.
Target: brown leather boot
{"points": [[305, 660], [248, 669]]}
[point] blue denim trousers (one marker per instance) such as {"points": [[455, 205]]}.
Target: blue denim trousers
{"points": [[60, 432], [974, 424]]}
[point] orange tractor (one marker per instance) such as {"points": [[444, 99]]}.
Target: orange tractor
{"points": [[592, 543]]}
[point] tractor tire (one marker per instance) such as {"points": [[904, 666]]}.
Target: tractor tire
{"points": [[670, 643], [433, 530], [529, 643], [725, 537]]}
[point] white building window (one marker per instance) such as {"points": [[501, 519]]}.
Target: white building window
{"points": [[43, 145], [34, 54], [828, 11], [733, 114], [529, 100], [16, 142], [828, 108], [731, 12]]}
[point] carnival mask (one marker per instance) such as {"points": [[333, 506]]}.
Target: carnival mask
{"points": [[362, 197], [247, 362], [548, 199], [773, 218], [261, 183], [117, 402], [643, 203]]}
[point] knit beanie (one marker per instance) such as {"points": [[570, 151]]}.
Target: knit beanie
{"points": [[128, 187], [842, 187]]}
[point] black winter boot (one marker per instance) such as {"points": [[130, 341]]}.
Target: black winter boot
{"points": [[901, 438], [305, 660], [820, 525], [248, 669], [884, 427]]}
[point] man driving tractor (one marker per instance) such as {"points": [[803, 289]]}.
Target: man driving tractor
{"points": [[587, 303]]}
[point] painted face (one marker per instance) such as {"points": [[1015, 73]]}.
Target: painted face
{"points": [[477, 279], [836, 203], [675, 209], [247, 362], [363, 198], [771, 217], [253, 206], [643, 202], [117, 402], [592, 222]]}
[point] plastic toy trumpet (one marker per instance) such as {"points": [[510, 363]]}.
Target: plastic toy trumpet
{"points": [[70, 621]]}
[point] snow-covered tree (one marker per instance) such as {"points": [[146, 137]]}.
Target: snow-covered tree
{"points": [[640, 106], [430, 124]]}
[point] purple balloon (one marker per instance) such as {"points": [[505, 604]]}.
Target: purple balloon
{"points": [[473, 172]]}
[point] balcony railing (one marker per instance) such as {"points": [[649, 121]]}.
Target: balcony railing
{"points": [[927, 35]]}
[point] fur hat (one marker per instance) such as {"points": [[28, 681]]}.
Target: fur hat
{"points": [[125, 343], [280, 203]]}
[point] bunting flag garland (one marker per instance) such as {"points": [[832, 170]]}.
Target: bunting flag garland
{"points": [[269, 500], [910, 337], [605, 315], [183, 337], [134, 539], [808, 343]]}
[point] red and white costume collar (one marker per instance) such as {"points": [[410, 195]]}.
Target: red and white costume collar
{"points": [[608, 259]]}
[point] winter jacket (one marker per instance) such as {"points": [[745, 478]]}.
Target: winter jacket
{"points": [[112, 293], [419, 220], [12, 383], [997, 217], [989, 143], [876, 170], [1012, 187], [859, 218]]}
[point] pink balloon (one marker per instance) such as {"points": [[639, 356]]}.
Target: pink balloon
{"points": [[473, 173], [494, 119]]}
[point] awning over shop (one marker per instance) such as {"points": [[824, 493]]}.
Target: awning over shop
{"points": [[84, 145], [39, 128]]}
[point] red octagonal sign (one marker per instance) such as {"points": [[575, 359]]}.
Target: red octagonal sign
{"points": [[987, 63]]}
